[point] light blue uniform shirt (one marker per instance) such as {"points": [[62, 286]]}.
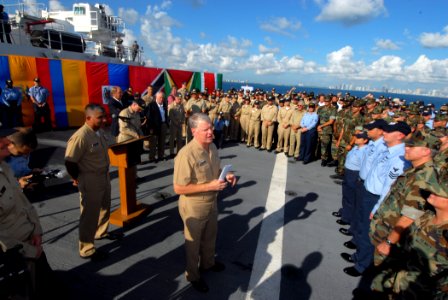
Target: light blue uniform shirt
{"points": [[386, 168], [397, 165], [39, 93], [373, 148], [309, 120], [11, 94], [354, 157], [430, 124]]}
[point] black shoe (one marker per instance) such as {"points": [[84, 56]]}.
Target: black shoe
{"points": [[200, 286], [347, 257], [261, 149], [297, 159], [341, 222], [336, 214], [217, 267], [332, 163], [112, 236], [336, 176], [269, 150], [306, 162], [350, 245], [352, 272], [277, 152], [98, 255], [323, 163], [345, 232]]}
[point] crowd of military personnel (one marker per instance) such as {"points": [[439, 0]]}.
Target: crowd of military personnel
{"points": [[391, 157]]}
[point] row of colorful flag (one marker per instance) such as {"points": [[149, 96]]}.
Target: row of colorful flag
{"points": [[73, 83]]}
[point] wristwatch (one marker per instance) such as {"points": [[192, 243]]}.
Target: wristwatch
{"points": [[389, 242]]}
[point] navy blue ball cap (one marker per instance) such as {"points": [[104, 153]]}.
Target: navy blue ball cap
{"points": [[400, 126], [380, 124]]}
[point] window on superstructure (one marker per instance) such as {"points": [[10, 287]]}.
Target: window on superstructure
{"points": [[80, 11], [93, 18]]}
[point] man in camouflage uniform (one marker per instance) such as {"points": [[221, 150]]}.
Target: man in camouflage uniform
{"points": [[284, 129], [294, 139], [327, 116], [268, 118], [346, 140], [337, 128], [422, 272], [404, 202], [370, 106]]}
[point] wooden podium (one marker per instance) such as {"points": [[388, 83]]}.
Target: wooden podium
{"points": [[126, 156]]}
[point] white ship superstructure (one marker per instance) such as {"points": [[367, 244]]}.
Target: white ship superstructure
{"points": [[86, 32]]}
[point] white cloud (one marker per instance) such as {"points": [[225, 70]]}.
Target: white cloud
{"points": [[109, 11], [350, 12], [386, 44], [263, 49], [32, 8], [130, 16], [202, 35], [281, 25], [428, 71], [341, 62], [166, 4], [435, 40], [55, 5], [129, 37]]}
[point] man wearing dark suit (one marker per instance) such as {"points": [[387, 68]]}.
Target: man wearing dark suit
{"points": [[157, 123], [115, 106]]}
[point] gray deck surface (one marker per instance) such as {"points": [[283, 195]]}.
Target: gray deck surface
{"points": [[149, 262]]}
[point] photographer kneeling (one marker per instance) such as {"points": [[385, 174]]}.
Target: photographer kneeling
{"points": [[20, 229]]}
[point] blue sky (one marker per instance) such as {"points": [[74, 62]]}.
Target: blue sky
{"points": [[401, 44]]}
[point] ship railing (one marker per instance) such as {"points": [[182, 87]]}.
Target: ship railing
{"points": [[21, 9], [122, 53]]}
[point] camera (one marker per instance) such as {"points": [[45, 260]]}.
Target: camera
{"points": [[46, 174]]}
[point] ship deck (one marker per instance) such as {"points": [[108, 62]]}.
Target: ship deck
{"points": [[276, 233]]}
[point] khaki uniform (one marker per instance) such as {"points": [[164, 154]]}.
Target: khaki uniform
{"points": [[254, 127], [284, 118], [88, 149], [244, 121], [18, 218], [235, 113], [129, 125], [194, 165], [176, 114], [193, 106], [212, 111], [268, 114], [295, 135]]}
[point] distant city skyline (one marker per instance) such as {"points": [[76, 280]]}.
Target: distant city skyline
{"points": [[378, 43]]}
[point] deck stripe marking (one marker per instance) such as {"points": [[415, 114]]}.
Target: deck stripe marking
{"points": [[265, 277]]}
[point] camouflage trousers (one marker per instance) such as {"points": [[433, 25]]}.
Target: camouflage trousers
{"points": [[342, 153], [334, 149], [325, 146]]}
